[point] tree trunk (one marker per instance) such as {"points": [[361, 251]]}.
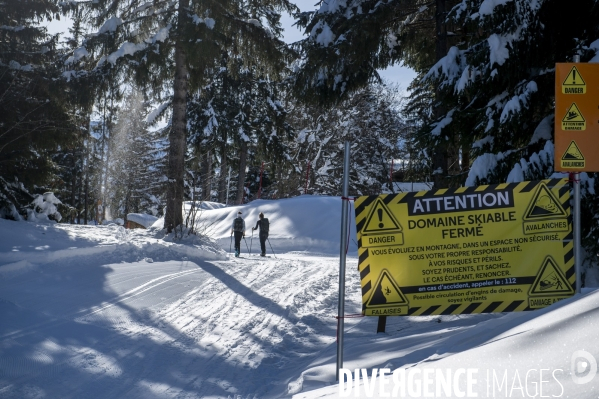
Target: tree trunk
{"points": [[206, 176], [440, 152], [241, 180], [465, 159], [86, 197], [86, 143], [177, 134], [222, 182], [127, 199], [106, 158], [73, 184], [105, 185], [79, 195], [81, 174]]}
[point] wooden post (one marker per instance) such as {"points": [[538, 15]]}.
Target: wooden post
{"points": [[380, 328]]}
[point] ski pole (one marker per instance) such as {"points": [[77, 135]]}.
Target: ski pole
{"points": [[246, 244], [231, 244], [251, 241], [273, 252]]}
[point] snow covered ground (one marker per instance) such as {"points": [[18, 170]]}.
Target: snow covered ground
{"points": [[103, 312]]}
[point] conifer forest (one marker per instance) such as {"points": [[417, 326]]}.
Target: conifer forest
{"points": [[143, 105]]}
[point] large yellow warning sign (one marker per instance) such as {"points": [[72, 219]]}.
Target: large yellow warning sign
{"points": [[573, 158], [573, 120], [498, 248], [574, 83]]}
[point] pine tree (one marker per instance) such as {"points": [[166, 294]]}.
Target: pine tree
{"points": [[33, 119], [134, 167], [499, 83], [347, 42], [239, 117], [368, 118], [168, 45]]}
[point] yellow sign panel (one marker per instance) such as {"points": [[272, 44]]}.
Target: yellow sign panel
{"points": [[576, 117], [573, 158], [574, 83], [498, 248], [573, 120]]}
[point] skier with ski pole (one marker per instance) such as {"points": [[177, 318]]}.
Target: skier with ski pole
{"points": [[238, 228], [263, 225]]}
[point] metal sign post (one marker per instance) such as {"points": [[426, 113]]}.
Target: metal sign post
{"points": [[576, 227], [342, 256], [576, 128]]}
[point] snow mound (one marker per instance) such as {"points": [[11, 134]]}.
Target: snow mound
{"points": [[142, 219]]}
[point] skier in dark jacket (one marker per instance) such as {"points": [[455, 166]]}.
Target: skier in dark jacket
{"points": [[263, 225], [238, 227]]}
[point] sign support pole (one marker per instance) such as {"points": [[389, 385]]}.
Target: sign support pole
{"points": [[576, 216], [342, 256], [577, 259]]}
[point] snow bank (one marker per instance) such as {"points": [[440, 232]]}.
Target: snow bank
{"points": [[142, 219], [132, 313], [506, 353], [301, 224], [37, 243]]}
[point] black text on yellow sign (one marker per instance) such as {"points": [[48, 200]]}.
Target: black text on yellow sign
{"points": [[573, 157], [574, 83], [466, 250], [573, 120]]}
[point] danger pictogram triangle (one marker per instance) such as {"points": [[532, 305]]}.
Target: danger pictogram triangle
{"points": [[573, 120], [573, 153], [574, 83], [544, 205], [550, 280], [386, 292], [381, 220], [573, 114]]}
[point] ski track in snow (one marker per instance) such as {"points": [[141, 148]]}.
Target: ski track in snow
{"points": [[103, 312], [167, 329]]}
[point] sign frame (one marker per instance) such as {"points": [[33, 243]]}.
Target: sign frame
{"points": [[524, 228], [576, 117]]}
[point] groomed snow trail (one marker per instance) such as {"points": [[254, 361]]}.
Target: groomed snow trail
{"points": [[117, 323]]}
